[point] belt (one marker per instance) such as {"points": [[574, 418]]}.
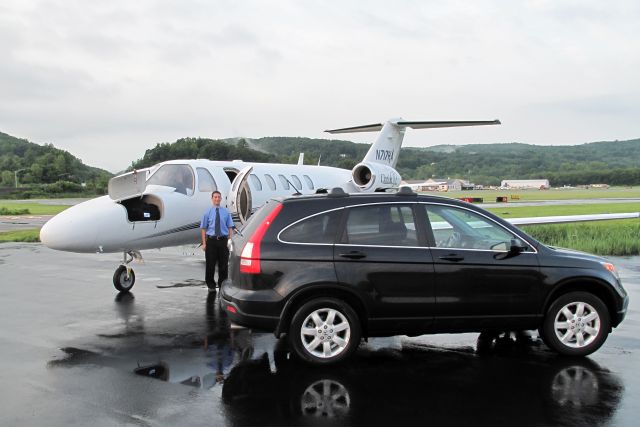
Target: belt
{"points": [[217, 237]]}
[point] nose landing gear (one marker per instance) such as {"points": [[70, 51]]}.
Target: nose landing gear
{"points": [[124, 277]]}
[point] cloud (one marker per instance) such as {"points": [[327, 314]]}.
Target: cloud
{"points": [[130, 74]]}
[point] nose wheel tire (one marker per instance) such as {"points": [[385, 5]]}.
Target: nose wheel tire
{"points": [[123, 280], [577, 324], [324, 331]]}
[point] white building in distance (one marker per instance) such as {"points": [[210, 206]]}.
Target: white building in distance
{"points": [[522, 184]]}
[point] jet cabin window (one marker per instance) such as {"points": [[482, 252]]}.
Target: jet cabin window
{"points": [[297, 182], [206, 183], [255, 182], [270, 182], [284, 181], [381, 225], [180, 177], [462, 229], [308, 181]]}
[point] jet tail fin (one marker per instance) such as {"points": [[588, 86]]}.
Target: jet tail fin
{"points": [[386, 148]]}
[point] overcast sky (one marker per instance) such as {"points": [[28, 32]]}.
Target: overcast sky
{"points": [[107, 80]]}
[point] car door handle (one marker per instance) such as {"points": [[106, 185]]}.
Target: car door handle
{"points": [[452, 257], [354, 255]]}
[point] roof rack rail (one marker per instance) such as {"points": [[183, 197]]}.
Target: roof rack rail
{"points": [[337, 192], [406, 191]]}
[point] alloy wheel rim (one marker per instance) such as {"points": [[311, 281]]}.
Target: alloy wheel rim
{"points": [[577, 324], [325, 399], [325, 333]]}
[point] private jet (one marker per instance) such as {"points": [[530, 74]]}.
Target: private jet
{"points": [[162, 205]]}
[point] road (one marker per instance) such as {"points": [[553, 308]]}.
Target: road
{"points": [[74, 352]]}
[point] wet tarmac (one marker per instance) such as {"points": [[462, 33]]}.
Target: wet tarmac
{"points": [[73, 352]]}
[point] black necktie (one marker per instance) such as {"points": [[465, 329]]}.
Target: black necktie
{"points": [[217, 223]]}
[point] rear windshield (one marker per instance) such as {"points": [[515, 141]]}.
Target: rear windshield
{"points": [[258, 217]]}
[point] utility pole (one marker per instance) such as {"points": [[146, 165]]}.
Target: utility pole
{"points": [[16, 175]]}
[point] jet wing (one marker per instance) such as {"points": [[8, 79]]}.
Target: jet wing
{"points": [[563, 219]]}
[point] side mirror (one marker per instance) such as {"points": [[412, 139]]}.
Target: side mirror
{"points": [[517, 246]]}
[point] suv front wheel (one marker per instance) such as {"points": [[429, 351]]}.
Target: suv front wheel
{"points": [[324, 331], [577, 324]]}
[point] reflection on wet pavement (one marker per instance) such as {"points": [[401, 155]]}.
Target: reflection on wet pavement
{"points": [[509, 376]]}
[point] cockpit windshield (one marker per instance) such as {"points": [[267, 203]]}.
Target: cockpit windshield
{"points": [[179, 177]]}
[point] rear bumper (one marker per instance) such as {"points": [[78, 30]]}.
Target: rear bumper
{"points": [[253, 309]]}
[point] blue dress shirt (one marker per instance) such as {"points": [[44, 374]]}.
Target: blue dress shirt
{"points": [[209, 221]]}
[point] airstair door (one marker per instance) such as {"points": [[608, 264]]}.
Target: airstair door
{"points": [[239, 200]]}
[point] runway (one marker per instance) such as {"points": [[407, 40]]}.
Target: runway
{"points": [[75, 352]]}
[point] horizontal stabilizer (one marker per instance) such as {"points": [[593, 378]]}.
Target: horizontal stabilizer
{"points": [[571, 218], [415, 125], [365, 128]]}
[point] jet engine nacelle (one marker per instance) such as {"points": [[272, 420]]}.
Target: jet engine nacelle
{"points": [[375, 176]]}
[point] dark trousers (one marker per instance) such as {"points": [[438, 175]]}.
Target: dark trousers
{"points": [[216, 253]]}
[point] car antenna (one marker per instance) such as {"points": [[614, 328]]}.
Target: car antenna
{"points": [[297, 193]]}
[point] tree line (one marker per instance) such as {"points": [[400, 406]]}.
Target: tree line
{"points": [[46, 169]]}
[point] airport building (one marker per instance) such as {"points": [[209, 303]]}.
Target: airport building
{"points": [[523, 184], [435, 184]]}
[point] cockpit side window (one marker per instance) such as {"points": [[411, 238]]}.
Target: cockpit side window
{"points": [[206, 183], [180, 177]]}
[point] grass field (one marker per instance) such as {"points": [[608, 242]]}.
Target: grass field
{"points": [[31, 235], [33, 208], [559, 194], [583, 209], [620, 237]]}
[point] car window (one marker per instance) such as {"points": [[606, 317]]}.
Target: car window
{"points": [[270, 181], [316, 229], [255, 181], [206, 181], [459, 228], [381, 225]]}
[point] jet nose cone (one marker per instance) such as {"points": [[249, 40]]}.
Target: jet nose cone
{"points": [[75, 229]]}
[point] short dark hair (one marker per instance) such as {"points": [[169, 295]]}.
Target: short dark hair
{"points": [[215, 192]]}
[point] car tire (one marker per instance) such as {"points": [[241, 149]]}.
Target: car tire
{"points": [[576, 324], [324, 331]]}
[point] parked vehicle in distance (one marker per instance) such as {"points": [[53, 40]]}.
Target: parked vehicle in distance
{"points": [[328, 270]]}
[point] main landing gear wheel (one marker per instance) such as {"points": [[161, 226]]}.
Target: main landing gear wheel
{"points": [[124, 278]]}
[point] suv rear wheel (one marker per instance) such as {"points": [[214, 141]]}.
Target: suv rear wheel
{"points": [[324, 331], [577, 324]]}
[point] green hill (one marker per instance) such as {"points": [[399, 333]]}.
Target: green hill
{"points": [[46, 169], [610, 162]]}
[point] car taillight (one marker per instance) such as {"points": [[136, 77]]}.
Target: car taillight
{"points": [[250, 256]]}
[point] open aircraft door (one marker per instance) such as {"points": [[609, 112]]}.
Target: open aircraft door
{"points": [[128, 185], [239, 200]]}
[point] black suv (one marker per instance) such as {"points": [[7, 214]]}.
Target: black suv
{"points": [[330, 269]]}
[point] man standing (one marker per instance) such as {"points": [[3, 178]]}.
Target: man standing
{"points": [[216, 229]]}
